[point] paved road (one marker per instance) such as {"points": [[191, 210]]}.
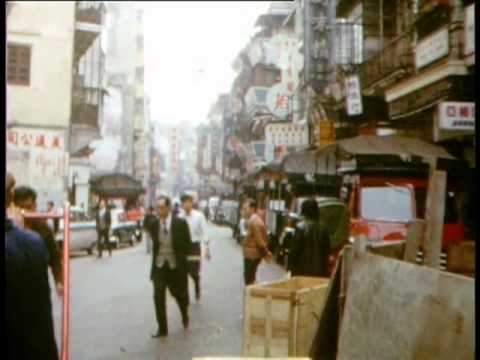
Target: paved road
{"points": [[113, 314]]}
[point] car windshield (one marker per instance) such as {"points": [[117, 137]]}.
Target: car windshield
{"points": [[387, 203]]}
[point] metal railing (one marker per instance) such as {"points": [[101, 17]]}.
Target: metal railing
{"points": [[397, 55]]}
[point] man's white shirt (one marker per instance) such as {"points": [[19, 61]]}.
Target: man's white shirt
{"points": [[197, 226]]}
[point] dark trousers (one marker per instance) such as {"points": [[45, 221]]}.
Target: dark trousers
{"points": [[177, 283], [250, 270], [194, 272], [194, 267], [103, 241]]}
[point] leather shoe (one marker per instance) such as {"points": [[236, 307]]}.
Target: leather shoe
{"points": [[186, 321], [160, 334]]}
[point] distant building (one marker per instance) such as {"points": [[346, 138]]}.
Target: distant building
{"points": [[53, 66], [125, 74]]}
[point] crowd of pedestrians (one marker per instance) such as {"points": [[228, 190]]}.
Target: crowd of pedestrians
{"points": [[176, 238]]}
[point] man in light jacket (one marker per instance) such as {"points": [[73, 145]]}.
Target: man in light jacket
{"points": [[255, 244]]}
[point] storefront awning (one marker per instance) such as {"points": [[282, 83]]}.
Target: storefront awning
{"points": [[116, 185]]}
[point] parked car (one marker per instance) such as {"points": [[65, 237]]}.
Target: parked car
{"points": [[122, 231], [83, 235], [213, 202], [227, 213]]}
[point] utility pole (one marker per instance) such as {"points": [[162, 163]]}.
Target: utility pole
{"points": [[307, 45]]}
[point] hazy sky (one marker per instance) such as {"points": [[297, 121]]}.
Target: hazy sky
{"points": [[189, 51]]}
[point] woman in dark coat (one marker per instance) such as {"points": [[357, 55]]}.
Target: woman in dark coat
{"points": [[311, 245]]}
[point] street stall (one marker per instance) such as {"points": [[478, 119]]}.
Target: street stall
{"points": [[127, 215]]}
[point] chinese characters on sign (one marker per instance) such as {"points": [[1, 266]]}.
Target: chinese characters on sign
{"points": [[457, 116], [174, 149], [353, 95], [44, 150], [286, 134], [40, 140]]}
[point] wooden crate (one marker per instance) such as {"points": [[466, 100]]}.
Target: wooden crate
{"points": [[461, 257], [281, 317]]}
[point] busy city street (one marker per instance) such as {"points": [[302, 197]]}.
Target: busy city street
{"points": [[112, 314], [198, 180]]}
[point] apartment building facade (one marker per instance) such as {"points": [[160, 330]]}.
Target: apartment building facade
{"points": [[45, 44]]}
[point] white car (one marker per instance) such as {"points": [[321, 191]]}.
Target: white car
{"points": [[122, 232], [83, 232]]}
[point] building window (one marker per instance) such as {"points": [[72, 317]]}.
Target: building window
{"points": [[18, 64]]}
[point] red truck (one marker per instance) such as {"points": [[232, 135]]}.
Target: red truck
{"points": [[382, 207]]}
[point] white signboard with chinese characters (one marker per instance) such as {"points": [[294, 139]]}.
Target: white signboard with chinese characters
{"points": [[353, 95], [289, 134], [278, 100], [44, 158], [174, 149], [469, 27], [432, 48], [457, 116]]}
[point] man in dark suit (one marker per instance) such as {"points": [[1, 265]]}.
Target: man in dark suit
{"points": [[103, 221], [171, 246], [29, 326], [26, 198]]}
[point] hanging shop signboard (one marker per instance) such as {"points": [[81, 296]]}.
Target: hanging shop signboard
{"points": [[457, 116], [469, 26], [432, 48], [353, 95]]}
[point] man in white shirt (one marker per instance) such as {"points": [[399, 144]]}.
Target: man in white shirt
{"points": [[198, 232]]}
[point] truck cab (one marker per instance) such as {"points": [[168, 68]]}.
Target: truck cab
{"points": [[383, 206]]}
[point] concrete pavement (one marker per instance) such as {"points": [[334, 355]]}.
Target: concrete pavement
{"points": [[113, 314]]}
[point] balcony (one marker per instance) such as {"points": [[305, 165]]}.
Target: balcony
{"points": [[89, 12], [89, 18], [86, 95], [256, 96], [86, 115], [396, 60]]}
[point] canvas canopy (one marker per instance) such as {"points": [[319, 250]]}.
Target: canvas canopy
{"points": [[116, 185], [324, 161]]}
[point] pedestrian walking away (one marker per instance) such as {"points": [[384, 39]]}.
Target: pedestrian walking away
{"points": [[311, 244], [103, 222], [29, 330], [26, 199], [148, 223], [255, 244], [198, 233], [171, 246], [53, 223]]}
